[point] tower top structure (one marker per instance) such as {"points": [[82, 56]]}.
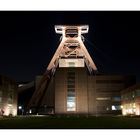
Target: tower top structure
{"points": [[62, 29], [72, 46]]}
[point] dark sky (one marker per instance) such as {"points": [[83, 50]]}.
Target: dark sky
{"points": [[28, 41]]}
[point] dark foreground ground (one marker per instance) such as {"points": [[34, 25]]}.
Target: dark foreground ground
{"points": [[75, 122]]}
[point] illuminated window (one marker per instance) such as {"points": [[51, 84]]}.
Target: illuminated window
{"points": [[116, 107], [71, 99], [103, 98], [71, 32], [71, 94], [72, 62], [71, 106]]}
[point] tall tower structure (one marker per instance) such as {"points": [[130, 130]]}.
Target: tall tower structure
{"points": [[71, 52], [69, 86]]}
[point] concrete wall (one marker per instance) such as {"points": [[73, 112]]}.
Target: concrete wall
{"points": [[107, 94], [92, 95], [130, 100], [81, 91], [8, 96], [89, 91], [60, 90], [47, 100]]}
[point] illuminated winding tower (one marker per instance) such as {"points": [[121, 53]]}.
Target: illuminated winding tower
{"points": [[70, 54], [70, 85]]}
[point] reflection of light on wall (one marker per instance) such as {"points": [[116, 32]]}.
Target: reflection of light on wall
{"points": [[107, 108], [129, 109], [10, 109], [134, 105], [137, 112], [124, 112], [10, 105], [6, 111], [14, 112]]}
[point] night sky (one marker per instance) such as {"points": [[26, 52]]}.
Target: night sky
{"points": [[28, 41]]}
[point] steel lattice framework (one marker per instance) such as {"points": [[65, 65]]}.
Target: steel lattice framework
{"points": [[71, 46]]}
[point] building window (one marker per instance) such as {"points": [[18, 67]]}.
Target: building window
{"points": [[116, 99], [71, 98], [71, 106], [71, 86], [71, 32], [103, 98], [71, 64], [116, 107]]}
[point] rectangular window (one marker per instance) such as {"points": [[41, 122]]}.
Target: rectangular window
{"points": [[70, 80], [103, 98], [71, 106], [71, 86], [70, 90], [116, 107], [116, 99], [71, 99], [71, 64], [71, 94]]}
